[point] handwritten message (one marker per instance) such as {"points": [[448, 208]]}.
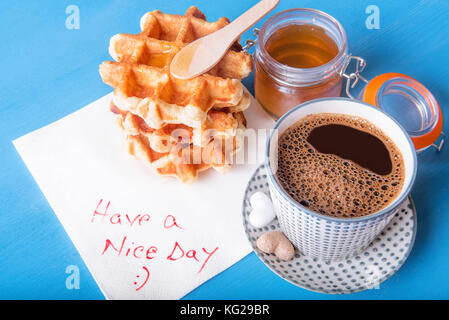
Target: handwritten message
{"points": [[126, 248], [141, 236]]}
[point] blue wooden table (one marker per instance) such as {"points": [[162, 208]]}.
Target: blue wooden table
{"points": [[49, 71]]}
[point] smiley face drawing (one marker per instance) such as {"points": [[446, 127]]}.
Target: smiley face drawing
{"points": [[146, 277]]}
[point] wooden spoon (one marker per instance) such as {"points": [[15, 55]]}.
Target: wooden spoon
{"points": [[204, 53]]}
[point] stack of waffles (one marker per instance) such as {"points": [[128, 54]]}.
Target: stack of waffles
{"points": [[180, 127]]}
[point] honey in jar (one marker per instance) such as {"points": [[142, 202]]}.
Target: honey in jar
{"points": [[301, 46], [299, 56]]}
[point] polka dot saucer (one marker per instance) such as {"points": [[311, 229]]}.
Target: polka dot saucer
{"points": [[383, 257]]}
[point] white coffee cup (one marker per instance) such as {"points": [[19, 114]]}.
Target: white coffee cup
{"points": [[325, 237]]}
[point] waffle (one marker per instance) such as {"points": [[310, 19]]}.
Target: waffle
{"points": [[218, 124], [138, 48], [158, 98], [185, 161], [144, 86], [179, 127]]}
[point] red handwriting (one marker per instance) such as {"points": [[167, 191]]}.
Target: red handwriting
{"points": [[116, 218], [179, 253], [127, 248], [209, 254], [135, 251], [147, 276], [170, 221]]}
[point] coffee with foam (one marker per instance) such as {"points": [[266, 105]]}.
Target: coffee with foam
{"points": [[339, 165]]}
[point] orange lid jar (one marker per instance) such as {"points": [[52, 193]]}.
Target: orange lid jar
{"points": [[280, 84]]}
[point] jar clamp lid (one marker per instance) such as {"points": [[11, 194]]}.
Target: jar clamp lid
{"points": [[404, 98]]}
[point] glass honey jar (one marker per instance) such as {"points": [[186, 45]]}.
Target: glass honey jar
{"points": [[299, 55]]}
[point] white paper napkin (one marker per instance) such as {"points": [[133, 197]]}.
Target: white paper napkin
{"points": [[136, 251]]}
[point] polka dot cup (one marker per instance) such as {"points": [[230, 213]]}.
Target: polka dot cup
{"points": [[367, 270], [330, 238]]}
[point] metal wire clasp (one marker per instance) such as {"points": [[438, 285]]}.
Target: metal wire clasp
{"points": [[251, 42], [439, 145], [353, 78]]}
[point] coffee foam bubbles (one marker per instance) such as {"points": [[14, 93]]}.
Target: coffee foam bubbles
{"points": [[331, 185]]}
